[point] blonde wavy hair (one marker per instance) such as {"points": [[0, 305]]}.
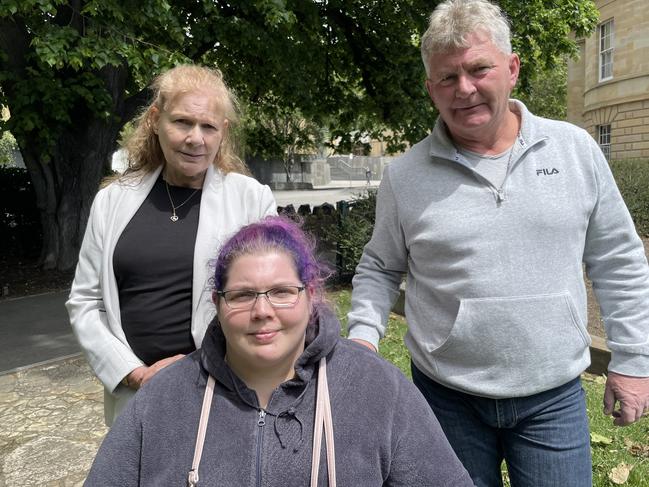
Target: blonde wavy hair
{"points": [[142, 146]]}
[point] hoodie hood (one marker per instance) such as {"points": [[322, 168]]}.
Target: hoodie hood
{"points": [[322, 335]]}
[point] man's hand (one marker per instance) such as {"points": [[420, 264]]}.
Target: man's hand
{"points": [[140, 376], [364, 343], [633, 395]]}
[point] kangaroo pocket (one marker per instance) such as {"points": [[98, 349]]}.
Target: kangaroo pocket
{"points": [[512, 340]]}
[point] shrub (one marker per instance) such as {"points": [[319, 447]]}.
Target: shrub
{"points": [[19, 217], [351, 232], [7, 147], [632, 178]]}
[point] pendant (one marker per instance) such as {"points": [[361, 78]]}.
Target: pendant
{"points": [[173, 218]]}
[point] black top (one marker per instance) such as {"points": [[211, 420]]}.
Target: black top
{"points": [[153, 263]]}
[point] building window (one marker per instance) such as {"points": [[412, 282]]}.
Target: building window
{"points": [[606, 50], [604, 139]]}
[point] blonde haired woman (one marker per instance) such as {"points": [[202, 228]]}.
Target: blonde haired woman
{"points": [[140, 299]]}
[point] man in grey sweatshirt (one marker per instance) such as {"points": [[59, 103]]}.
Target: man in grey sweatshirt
{"points": [[491, 217]]}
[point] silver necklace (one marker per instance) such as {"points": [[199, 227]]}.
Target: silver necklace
{"points": [[511, 154], [174, 217], [501, 192]]}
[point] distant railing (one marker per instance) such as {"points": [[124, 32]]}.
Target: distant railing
{"points": [[355, 168]]}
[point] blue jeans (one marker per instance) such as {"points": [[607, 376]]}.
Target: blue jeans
{"points": [[544, 438]]}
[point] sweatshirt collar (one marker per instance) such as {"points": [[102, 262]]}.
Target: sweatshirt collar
{"points": [[441, 146]]}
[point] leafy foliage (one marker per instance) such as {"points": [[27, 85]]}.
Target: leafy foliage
{"points": [[7, 146], [546, 93], [541, 32], [73, 72], [53, 75], [351, 64], [352, 231], [632, 178], [275, 132]]}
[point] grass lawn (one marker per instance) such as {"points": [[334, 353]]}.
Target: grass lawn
{"points": [[620, 455]]}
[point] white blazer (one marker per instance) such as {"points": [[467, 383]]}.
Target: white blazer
{"points": [[229, 201]]}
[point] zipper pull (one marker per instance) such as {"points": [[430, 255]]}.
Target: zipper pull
{"points": [[501, 195], [262, 418]]}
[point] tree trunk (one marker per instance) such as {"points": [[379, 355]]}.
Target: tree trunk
{"points": [[287, 169], [288, 165], [45, 190], [65, 179], [82, 162], [65, 187], [66, 183]]}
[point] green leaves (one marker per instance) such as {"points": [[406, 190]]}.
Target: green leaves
{"points": [[541, 32], [632, 179], [273, 131], [597, 439], [275, 12], [56, 58], [351, 67], [7, 147], [53, 45]]}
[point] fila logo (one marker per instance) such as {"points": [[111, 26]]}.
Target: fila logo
{"points": [[547, 172]]}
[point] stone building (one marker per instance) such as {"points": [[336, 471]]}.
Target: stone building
{"points": [[608, 86]]}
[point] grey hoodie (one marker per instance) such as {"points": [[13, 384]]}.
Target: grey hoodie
{"points": [[385, 433], [495, 300]]}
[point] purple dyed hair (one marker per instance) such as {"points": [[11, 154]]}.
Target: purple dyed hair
{"points": [[275, 233]]}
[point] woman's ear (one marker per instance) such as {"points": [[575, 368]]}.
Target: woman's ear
{"points": [[215, 298], [154, 118], [310, 295], [310, 291]]}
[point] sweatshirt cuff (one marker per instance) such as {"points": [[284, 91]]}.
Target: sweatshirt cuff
{"points": [[368, 333], [632, 364]]}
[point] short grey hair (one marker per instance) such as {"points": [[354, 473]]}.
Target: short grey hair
{"points": [[453, 21]]}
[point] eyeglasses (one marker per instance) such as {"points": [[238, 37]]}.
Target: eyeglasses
{"points": [[278, 297]]}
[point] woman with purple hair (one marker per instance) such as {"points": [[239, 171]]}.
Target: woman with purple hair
{"points": [[275, 396]]}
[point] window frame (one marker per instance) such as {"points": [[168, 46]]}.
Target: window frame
{"points": [[604, 132], [606, 49]]}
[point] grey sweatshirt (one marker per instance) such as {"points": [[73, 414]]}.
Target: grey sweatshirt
{"points": [[384, 431], [495, 300]]}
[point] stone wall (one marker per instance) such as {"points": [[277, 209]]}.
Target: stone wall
{"points": [[629, 128], [310, 171], [306, 173], [623, 100], [355, 168]]}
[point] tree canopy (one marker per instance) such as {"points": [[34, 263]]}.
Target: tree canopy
{"points": [[73, 72]]}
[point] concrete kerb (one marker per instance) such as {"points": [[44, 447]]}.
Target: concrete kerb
{"points": [[600, 355], [44, 363]]}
